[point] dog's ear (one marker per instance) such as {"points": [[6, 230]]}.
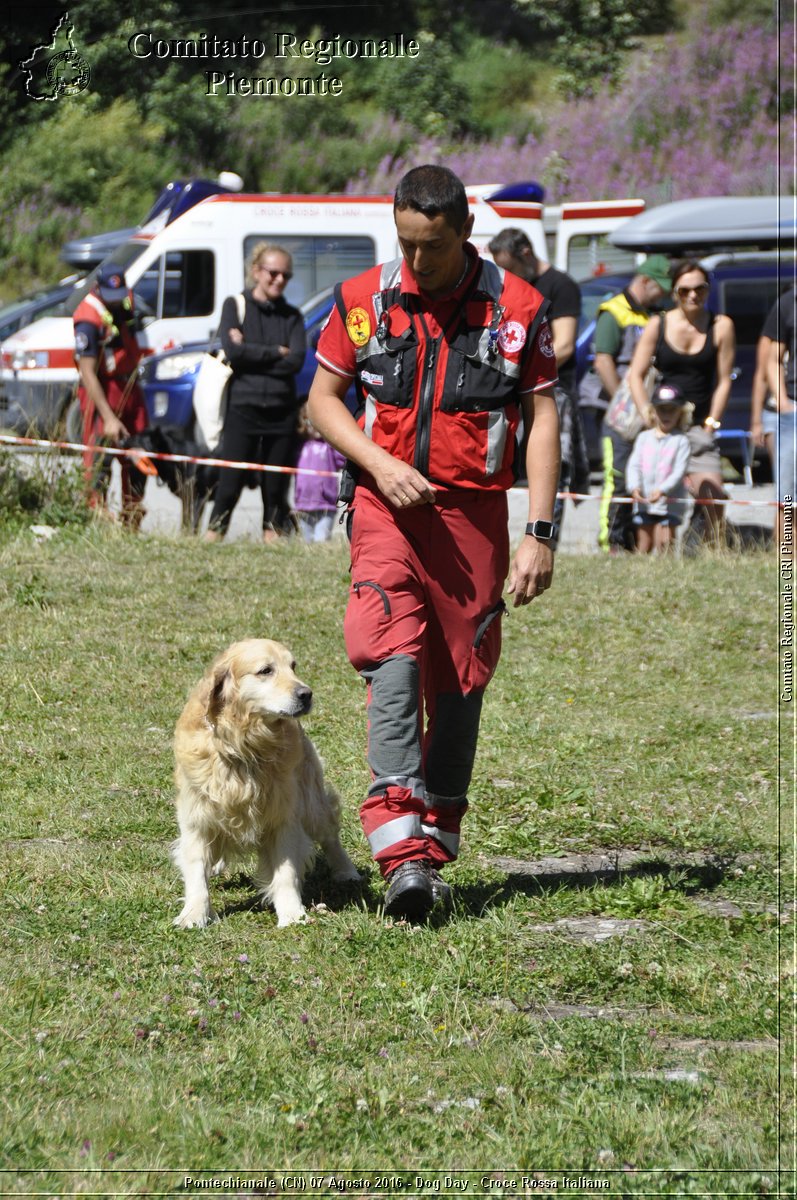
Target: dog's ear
{"points": [[220, 687]]}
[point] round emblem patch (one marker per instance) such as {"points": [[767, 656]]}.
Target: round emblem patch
{"points": [[358, 326], [511, 337], [546, 341]]}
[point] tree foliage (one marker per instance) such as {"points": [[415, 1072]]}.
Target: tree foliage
{"points": [[592, 37], [95, 162]]}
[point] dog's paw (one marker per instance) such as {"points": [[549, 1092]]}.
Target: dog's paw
{"points": [[290, 914], [218, 868], [195, 917]]}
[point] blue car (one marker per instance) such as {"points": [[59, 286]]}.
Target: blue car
{"points": [[168, 378]]}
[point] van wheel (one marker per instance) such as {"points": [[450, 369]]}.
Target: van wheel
{"points": [[73, 422]]}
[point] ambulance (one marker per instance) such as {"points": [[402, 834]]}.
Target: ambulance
{"points": [[180, 270]]}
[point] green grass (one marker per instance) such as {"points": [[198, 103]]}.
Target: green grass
{"points": [[626, 713]]}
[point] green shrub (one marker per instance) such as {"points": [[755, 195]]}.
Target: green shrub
{"points": [[41, 490]]}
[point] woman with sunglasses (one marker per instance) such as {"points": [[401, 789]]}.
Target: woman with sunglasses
{"points": [[694, 351], [266, 350]]}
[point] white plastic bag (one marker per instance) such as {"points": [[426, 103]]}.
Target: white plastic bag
{"points": [[210, 389], [210, 397]]}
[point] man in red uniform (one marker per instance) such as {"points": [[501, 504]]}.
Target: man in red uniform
{"points": [[112, 404], [448, 352]]}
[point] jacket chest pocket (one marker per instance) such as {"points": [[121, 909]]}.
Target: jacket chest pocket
{"points": [[388, 374], [474, 380]]}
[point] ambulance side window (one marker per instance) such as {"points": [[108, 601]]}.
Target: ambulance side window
{"points": [[180, 283], [319, 261]]}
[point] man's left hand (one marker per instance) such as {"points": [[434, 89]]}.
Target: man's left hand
{"points": [[532, 571]]}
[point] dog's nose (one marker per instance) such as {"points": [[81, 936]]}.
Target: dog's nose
{"points": [[304, 697]]}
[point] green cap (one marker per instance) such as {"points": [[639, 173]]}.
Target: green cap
{"points": [[657, 268]]}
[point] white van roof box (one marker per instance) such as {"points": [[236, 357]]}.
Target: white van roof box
{"points": [[711, 222]]}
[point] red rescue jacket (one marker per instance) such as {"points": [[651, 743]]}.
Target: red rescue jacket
{"points": [[120, 353], [448, 404]]}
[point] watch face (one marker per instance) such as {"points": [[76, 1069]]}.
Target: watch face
{"points": [[541, 529]]}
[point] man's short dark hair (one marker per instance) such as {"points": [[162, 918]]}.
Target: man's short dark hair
{"points": [[433, 190], [513, 242]]}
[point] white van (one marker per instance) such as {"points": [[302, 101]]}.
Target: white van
{"points": [[181, 274]]}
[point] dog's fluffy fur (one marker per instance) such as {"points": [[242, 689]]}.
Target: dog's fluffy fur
{"points": [[250, 781]]}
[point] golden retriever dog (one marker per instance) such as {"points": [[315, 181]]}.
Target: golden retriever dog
{"points": [[249, 781]]}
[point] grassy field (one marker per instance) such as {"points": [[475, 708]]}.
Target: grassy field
{"points": [[617, 1029]]}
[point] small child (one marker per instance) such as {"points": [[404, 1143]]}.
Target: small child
{"points": [[656, 469], [315, 496]]}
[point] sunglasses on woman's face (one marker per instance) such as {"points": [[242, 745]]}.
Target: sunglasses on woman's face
{"points": [[286, 275], [699, 289]]}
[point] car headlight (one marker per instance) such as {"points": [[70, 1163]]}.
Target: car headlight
{"points": [[178, 364], [26, 360]]}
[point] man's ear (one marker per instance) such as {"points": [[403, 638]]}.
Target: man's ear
{"points": [[467, 228]]}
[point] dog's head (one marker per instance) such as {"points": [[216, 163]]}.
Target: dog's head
{"points": [[165, 439], [257, 677]]}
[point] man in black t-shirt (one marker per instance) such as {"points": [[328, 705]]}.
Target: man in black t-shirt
{"points": [[781, 327], [512, 250]]}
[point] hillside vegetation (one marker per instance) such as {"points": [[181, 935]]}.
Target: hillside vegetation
{"points": [[583, 96]]}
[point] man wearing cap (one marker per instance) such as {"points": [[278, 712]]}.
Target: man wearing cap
{"points": [[107, 356], [621, 320]]}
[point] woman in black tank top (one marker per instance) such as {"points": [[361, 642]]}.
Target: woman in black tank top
{"points": [[694, 351], [694, 374]]}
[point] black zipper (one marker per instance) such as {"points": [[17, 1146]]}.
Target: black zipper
{"points": [[369, 583], [495, 611], [425, 402]]}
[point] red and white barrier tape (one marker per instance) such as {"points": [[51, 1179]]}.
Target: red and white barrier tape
{"points": [[685, 500], [137, 455]]}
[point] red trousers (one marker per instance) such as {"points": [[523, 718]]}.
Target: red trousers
{"points": [[132, 411], [423, 627]]}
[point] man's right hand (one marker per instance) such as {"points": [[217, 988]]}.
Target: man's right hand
{"points": [[398, 482], [113, 429], [401, 484]]}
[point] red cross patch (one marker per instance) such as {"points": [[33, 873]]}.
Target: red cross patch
{"points": [[511, 337]]}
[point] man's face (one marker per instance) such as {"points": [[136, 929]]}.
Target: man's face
{"points": [[525, 267], [432, 249], [116, 308], [654, 292]]}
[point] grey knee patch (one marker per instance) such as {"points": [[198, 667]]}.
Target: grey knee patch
{"points": [[394, 744], [449, 759]]}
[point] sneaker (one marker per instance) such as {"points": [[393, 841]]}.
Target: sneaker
{"points": [[441, 891], [410, 894]]}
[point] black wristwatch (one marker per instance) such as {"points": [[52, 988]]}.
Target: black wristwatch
{"points": [[544, 531]]}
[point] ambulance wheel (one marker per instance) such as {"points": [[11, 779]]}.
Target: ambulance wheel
{"points": [[73, 422]]}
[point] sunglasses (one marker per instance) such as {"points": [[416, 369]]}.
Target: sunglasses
{"points": [[699, 290], [286, 275]]}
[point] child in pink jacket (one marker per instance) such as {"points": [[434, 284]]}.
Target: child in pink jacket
{"points": [[656, 469]]}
